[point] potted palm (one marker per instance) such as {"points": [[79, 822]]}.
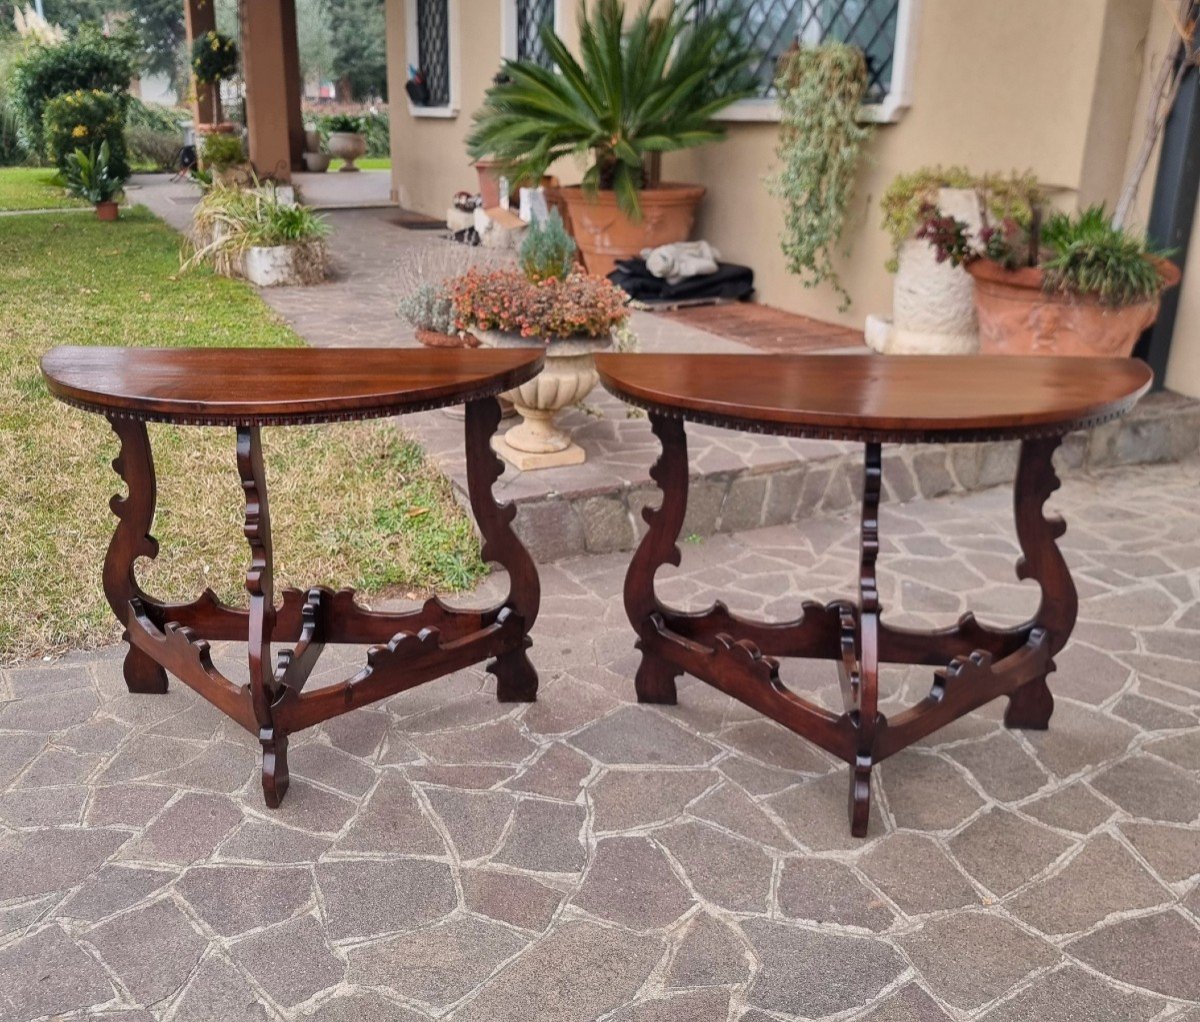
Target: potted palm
{"points": [[346, 140], [649, 83], [90, 177], [1076, 284]]}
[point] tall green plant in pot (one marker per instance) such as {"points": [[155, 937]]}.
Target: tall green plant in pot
{"points": [[645, 83]]}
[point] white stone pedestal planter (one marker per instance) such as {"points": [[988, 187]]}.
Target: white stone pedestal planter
{"points": [[275, 266], [933, 304], [568, 377]]}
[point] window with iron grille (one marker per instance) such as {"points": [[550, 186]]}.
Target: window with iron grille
{"points": [[531, 15], [433, 48], [772, 26]]}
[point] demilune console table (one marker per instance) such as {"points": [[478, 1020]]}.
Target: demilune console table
{"points": [[874, 400], [247, 389]]}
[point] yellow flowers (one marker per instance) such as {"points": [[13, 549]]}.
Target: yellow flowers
{"points": [[79, 131]]}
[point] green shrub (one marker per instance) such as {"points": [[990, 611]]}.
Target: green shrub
{"points": [[220, 151], [87, 61], [343, 123], [547, 250], [153, 135], [83, 119], [11, 148]]}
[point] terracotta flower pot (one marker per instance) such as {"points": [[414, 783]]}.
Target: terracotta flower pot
{"points": [[108, 211], [1017, 317], [604, 234], [347, 146], [433, 339], [489, 182]]}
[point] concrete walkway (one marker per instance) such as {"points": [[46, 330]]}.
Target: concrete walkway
{"points": [[584, 858]]}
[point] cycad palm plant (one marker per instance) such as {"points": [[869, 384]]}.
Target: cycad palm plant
{"points": [[642, 85]]}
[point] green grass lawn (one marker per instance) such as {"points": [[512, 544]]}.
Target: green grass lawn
{"points": [[365, 163], [352, 504], [33, 188]]}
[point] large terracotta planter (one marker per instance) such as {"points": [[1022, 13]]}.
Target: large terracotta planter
{"points": [[347, 146], [604, 234], [567, 378], [107, 211], [1017, 317]]}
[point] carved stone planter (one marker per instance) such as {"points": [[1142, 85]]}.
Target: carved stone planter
{"points": [[347, 146], [933, 304], [281, 265], [568, 377]]}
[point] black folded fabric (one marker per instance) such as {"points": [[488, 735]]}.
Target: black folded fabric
{"points": [[730, 281]]}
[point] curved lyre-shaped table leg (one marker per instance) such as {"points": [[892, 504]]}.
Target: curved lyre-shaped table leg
{"points": [[131, 540], [260, 586], [516, 678], [865, 711], [1031, 705], [655, 680]]}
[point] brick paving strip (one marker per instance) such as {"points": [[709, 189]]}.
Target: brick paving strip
{"points": [[441, 856]]}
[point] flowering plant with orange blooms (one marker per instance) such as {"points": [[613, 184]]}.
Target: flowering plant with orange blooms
{"points": [[578, 306]]}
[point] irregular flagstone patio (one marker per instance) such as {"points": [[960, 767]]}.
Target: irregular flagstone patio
{"points": [[584, 858]]}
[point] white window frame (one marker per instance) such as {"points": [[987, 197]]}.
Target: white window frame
{"points": [[508, 26], [451, 109], [900, 91]]}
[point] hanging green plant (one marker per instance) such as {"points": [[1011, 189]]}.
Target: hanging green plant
{"points": [[214, 58], [820, 144]]}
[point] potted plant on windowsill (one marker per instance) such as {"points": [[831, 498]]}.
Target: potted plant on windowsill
{"points": [[549, 303], [1074, 285], [649, 83], [346, 140], [89, 176]]}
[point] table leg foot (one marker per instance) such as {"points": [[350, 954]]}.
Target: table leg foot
{"points": [[516, 678], [1030, 706], [860, 796], [655, 680], [144, 675], [275, 777]]}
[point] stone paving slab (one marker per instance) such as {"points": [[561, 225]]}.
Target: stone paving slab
{"points": [[443, 856]]}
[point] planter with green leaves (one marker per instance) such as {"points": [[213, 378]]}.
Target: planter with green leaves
{"points": [[90, 175], [646, 82], [1075, 285], [254, 233], [225, 156], [346, 140]]}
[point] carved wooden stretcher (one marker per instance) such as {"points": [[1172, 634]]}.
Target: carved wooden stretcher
{"points": [[251, 388], [873, 400]]}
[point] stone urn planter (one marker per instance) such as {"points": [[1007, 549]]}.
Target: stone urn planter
{"points": [[568, 377], [347, 146], [933, 304], [604, 234], [1018, 317]]}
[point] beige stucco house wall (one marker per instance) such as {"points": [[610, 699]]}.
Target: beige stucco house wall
{"points": [[1053, 87]]}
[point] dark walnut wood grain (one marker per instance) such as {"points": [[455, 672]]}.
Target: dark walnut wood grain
{"points": [[898, 399], [277, 386], [881, 398], [404, 649]]}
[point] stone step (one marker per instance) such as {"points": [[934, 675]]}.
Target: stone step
{"points": [[744, 481]]}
